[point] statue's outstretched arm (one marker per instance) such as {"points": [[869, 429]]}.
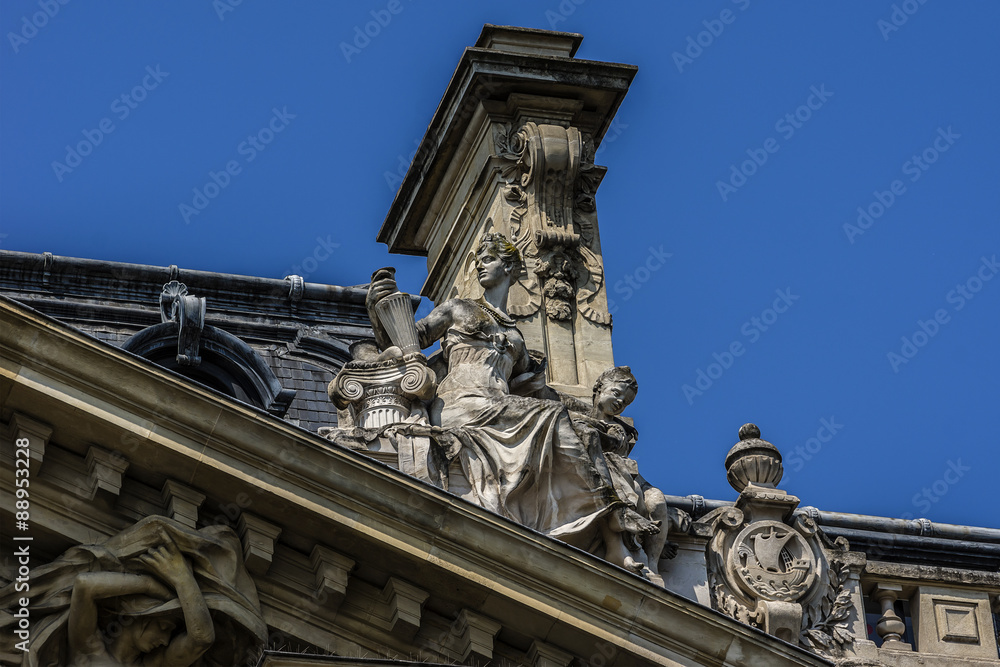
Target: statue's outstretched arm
{"points": [[435, 326], [429, 329], [88, 588]]}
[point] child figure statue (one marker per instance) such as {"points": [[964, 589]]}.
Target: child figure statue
{"points": [[643, 523]]}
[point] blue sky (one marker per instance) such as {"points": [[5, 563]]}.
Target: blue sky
{"points": [[823, 176]]}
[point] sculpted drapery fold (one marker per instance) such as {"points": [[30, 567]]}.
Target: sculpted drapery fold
{"points": [[159, 592], [495, 433]]}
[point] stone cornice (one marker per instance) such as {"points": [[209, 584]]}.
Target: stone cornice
{"points": [[905, 573], [207, 442], [491, 74], [111, 282]]}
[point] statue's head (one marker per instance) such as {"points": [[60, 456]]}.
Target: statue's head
{"points": [[614, 390], [152, 633], [147, 624], [497, 247]]}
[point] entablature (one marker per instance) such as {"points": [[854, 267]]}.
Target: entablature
{"points": [[333, 506]]}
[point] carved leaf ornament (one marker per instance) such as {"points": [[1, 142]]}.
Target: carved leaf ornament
{"points": [[550, 180], [825, 627]]}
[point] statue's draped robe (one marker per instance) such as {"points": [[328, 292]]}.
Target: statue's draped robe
{"points": [[615, 438], [521, 455], [216, 557]]}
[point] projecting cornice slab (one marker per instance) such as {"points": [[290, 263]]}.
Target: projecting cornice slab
{"points": [[466, 558], [504, 61]]}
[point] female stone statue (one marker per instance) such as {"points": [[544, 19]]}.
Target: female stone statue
{"points": [[521, 455]]}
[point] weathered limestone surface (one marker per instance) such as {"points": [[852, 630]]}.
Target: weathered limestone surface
{"points": [[826, 588], [491, 430], [141, 498], [389, 524], [772, 569], [520, 455], [511, 149], [158, 590]]}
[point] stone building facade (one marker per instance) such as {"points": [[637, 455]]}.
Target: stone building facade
{"points": [[213, 469]]}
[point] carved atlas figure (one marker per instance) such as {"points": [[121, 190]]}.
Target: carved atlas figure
{"points": [[158, 593], [521, 454]]}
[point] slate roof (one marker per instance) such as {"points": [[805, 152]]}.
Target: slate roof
{"points": [[303, 338]]}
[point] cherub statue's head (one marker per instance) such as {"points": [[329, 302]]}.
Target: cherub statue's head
{"points": [[614, 390], [496, 247]]}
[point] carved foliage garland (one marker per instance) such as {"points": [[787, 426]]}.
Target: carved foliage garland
{"points": [[509, 145], [550, 180], [758, 567], [559, 274], [825, 627], [558, 268], [723, 601]]}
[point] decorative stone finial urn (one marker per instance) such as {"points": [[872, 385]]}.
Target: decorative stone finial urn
{"points": [[769, 566], [753, 461]]}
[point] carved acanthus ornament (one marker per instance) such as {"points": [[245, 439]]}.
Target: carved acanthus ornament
{"points": [[550, 184], [825, 627], [772, 569]]}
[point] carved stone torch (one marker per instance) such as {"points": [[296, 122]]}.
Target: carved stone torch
{"points": [[375, 390], [395, 312]]}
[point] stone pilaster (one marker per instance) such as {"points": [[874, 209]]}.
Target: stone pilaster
{"points": [[511, 149]]}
